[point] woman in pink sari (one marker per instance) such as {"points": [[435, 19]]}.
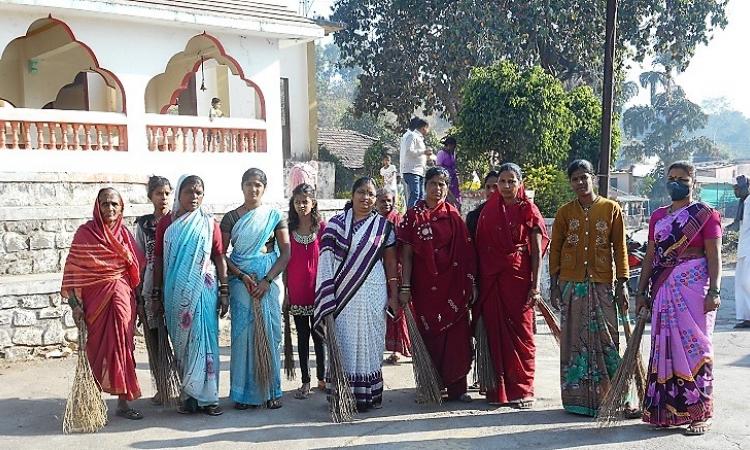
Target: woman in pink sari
{"points": [[100, 276], [683, 267]]}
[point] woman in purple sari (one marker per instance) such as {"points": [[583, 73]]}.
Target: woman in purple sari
{"points": [[683, 267]]}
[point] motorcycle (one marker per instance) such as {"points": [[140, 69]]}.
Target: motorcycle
{"points": [[636, 254]]}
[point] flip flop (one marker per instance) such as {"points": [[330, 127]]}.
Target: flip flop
{"points": [[274, 404], [241, 406], [130, 413], [213, 410], [527, 403], [303, 392]]}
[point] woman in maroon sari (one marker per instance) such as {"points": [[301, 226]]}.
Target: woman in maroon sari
{"points": [[511, 237], [438, 266], [396, 333], [99, 281]]}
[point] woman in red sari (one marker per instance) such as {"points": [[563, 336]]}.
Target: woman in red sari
{"points": [[438, 265], [511, 237], [396, 333], [99, 281]]}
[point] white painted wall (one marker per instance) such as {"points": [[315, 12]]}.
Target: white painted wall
{"points": [[294, 67], [135, 54]]}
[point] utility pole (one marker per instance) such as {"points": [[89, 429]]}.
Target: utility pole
{"points": [[608, 98]]}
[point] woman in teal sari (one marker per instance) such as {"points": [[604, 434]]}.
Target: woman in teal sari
{"points": [[260, 253], [188, 259]]}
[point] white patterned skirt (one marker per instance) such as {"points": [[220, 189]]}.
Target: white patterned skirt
{"points": [[360, 330]]}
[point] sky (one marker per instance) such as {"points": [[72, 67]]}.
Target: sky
{"points": [[719, 69]]}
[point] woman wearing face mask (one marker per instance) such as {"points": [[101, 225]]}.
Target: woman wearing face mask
{"points": [[683, 269], [188, 260], [260, 252], [587, 256]]}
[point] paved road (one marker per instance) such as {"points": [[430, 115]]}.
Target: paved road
{"points": [[33, 394]]}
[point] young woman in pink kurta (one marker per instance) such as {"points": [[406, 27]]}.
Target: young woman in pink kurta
{"points": [[305, 226]]}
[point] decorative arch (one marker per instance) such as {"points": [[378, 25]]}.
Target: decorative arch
{"points": [[41, 25], [216, 52]]}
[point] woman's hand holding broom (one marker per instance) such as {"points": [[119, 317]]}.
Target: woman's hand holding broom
{"points": [[76, 308], [622, 296], [223, 300], [555, 294]]}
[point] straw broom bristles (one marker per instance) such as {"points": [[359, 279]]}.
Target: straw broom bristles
{"points": [[426, 376], [614, 402], [484, 366], [288, 348], [640, 371], [550, 319], [343, 404], [166, 375], [262, 352], [85, 410]]}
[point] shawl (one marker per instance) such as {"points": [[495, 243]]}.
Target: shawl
{"points": [[100, 254]]}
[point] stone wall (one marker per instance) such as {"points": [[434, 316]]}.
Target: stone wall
{"points": [[39, 214]]}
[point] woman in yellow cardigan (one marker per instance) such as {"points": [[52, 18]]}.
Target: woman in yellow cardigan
{"points": [[587, 255]]}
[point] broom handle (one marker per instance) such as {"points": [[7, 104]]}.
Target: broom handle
{"points": [[640, 372]]}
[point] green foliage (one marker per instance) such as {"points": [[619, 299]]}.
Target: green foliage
{"points": [[585, 140], [515, 115], [419, 54], [374, 161], [551, 188]]}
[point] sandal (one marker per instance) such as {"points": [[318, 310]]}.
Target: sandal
{"points": [[188, 406], [213, 410], [241, 406], [274, 404], [526, 403], [393, 359], [157, 400], [698, 428], [321, 385], [465, 398], [303, 392], [130, 413], [632, 413]]}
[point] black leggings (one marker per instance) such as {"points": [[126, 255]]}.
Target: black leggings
{"points": [[304, 327]]}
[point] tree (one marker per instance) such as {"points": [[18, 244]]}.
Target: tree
{"points": [[419, 54], [514, 115], [551, 188], [585, 140]]}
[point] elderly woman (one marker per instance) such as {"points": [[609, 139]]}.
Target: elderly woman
{"points": [[587, 256], [438, 265], [260, 252], [510, 239], [396, 334], [683, 268], [357, 281], [100, 276], [188, 259]]}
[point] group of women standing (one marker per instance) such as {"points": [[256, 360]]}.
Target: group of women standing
{"points": [[367, 264]]}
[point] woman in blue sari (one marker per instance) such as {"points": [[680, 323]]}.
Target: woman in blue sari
{"points": [[260, 253], [188, 258]]}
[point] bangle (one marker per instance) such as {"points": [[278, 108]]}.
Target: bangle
{"points": [[268, 280], [714, 291], [393, 279]]}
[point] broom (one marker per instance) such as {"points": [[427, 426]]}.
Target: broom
{"points": [[262, 352], [640, 371], [166, 375], [343, 405], [426, 375], [484, 367], [85, 410], [288, 348], [550, 319], [614, 402]]}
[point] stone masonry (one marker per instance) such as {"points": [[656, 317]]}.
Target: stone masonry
{"points": [[39, 214]]}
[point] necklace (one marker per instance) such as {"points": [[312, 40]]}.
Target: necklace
{"points": [[304, 239], [588, 207]]}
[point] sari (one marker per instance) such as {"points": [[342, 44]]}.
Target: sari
{"points": [[248, 237], [680, 374], [396, 332], [103, 271], [351, 286], [190, 304], [503, 243], [441, 283]]}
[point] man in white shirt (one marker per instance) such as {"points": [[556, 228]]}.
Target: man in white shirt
{"points": [[742, 271], [413, 159]]}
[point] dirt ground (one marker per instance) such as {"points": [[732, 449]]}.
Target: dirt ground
{"points": [[32, 395]]}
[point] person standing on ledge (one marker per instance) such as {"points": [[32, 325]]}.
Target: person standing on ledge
{"points": [[742, 271], [413, 159]]}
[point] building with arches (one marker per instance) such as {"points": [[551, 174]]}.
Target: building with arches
{"points": [[108, 92]]}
